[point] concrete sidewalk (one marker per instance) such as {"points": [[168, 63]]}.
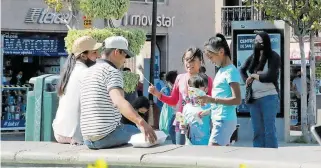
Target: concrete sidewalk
{"points": [[166, 155]]}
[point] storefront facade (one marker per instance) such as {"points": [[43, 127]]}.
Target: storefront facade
{"points": [[33, 44], [31, 27]]}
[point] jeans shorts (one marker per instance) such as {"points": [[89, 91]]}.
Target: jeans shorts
{"points": [[120, 136], [222, 131]]}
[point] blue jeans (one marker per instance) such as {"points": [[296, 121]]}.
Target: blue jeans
{"points": [[171, 129], [263, 114], [180, 138], [120, 136]]}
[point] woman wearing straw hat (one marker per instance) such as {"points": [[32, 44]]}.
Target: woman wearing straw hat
{"points": [[66, 124]]}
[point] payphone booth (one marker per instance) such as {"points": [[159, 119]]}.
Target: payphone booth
{"points": [[243, 35]]}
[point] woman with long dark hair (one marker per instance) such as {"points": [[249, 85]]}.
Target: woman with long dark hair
{"points": [[262, 90], [66, 124], [192, 59], [226, 94]]}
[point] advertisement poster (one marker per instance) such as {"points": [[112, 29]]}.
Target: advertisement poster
{"points": [[293, 112], [245, 48], [317, 53]]}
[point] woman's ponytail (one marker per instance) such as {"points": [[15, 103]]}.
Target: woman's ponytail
{"points": [[65, 75], [214, 44]]}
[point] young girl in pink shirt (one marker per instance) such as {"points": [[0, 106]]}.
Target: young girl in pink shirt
{"points": [[192, 59]]}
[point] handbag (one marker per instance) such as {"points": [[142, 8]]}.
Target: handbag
{"points": [[249, 94]]}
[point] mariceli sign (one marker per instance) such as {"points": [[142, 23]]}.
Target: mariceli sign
{"points": [[42, 16]]}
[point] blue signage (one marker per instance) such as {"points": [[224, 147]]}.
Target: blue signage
{"points": [[33, 46], [13, 123], [246, 42]]}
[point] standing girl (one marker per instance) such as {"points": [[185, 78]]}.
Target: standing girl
{"points": [[226, 94], [192, 59]]}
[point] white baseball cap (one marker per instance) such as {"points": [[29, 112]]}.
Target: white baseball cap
{"points": [[118, 42]]}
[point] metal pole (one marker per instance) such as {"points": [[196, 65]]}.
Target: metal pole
{"points": [[153, 45], [1, 66]]}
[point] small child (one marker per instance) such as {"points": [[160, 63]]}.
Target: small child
{"points": [[141, 105], [198, 132]]}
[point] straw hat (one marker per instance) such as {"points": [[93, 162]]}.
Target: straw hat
{"points": [[84, 43]]}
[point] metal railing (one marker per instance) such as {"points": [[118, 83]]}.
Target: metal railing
{"points": [[237, 13]]}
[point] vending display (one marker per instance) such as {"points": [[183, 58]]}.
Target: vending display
{"points": [[14, 101]]}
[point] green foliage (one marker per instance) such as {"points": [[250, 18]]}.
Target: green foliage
{"points": [[104, 9], [130, 82], [54, 4], [136, 37], [302, 15], [95, 9]]}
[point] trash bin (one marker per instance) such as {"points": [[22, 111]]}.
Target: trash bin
{"points": [[42, 105]]}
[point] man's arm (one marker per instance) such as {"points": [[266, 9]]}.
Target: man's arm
{"points": [[125, 108]]}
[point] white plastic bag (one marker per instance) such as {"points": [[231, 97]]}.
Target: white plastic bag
{"points": [[138, 140]]}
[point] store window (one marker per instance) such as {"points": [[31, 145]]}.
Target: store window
{"points": [[148, 1], [26, 55]]}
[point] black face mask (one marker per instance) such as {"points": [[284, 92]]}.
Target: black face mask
{"points": [[89, 62], [259, 46]]}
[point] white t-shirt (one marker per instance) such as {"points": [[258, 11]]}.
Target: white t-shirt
{"points": [[67, 121], [297, 83]]}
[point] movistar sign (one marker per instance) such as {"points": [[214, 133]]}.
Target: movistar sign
{"points": [[42, 16]]}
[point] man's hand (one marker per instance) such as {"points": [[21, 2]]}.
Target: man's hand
{"points": [[249, 80], [148, 131]]}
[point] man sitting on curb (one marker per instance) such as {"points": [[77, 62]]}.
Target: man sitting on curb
{"points": [[103, 102]]}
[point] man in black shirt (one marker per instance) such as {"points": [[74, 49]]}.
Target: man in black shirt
{"points": [[141, 105]]}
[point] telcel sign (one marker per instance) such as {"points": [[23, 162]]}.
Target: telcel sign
{"points": [[143, 20], [42, 16]]}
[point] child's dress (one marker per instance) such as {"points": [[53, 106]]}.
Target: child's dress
{"points": [[199, 128]]}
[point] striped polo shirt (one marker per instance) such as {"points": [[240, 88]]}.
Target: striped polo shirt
{"points": [[99, 116]]}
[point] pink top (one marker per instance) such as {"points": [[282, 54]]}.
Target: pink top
{"points": [[179, 92]]}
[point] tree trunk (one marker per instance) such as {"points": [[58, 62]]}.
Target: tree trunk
{"points": [[108, 23], [74, 21], [304, 124], [312, 95]]}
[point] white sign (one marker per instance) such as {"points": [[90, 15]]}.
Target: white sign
{"points": [[298, 62], [42, 16], [143, 20]]}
